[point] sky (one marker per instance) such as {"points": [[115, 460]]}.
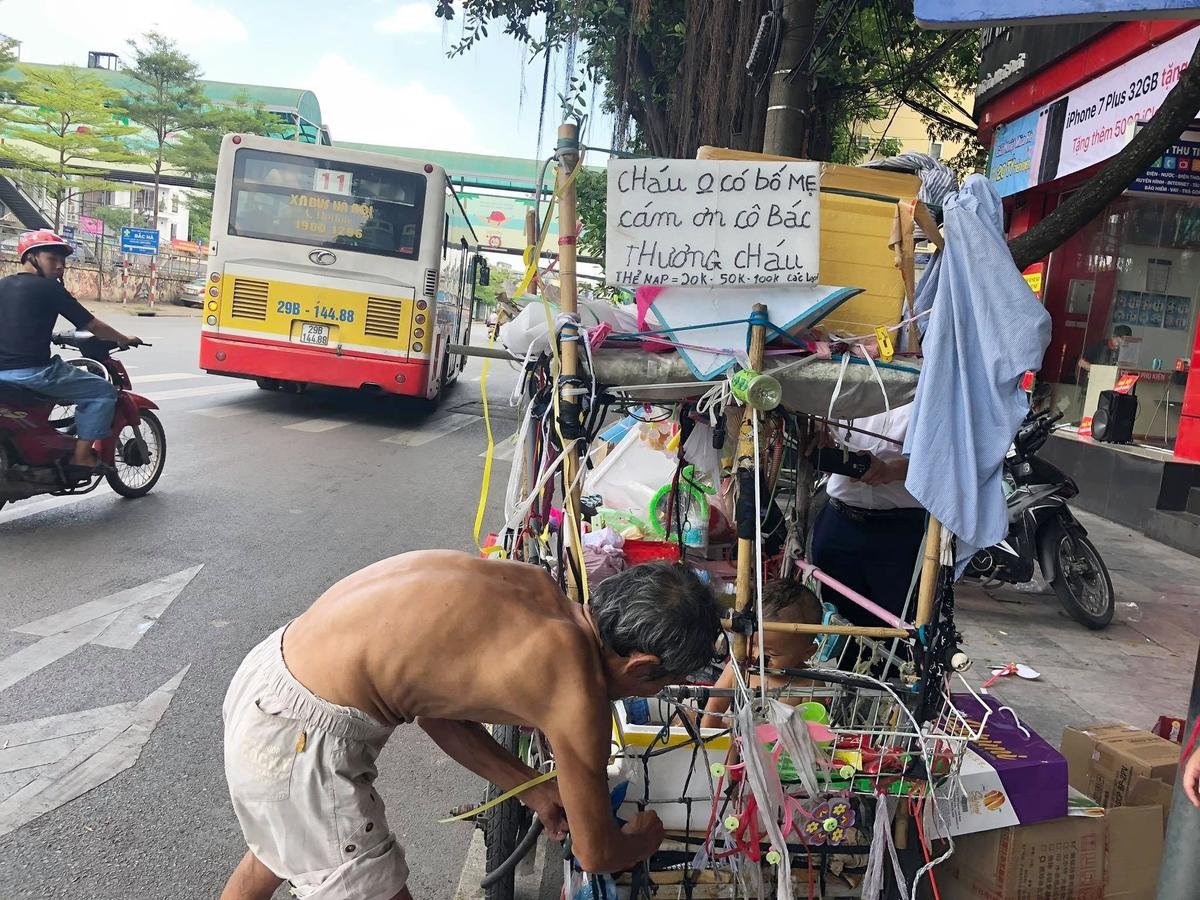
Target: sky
{"points": [[378, 67]]}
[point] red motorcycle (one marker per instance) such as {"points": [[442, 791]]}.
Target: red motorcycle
{"points": [[37, 437]]}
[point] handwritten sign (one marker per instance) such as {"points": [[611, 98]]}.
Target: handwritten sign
{"points": [[726, 223]]}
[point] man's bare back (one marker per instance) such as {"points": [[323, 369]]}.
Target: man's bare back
{"points": [[449, 641], [445, 635]]}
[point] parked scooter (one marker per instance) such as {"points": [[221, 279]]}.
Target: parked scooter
{"points": [[36, 437], [1043, 530]]}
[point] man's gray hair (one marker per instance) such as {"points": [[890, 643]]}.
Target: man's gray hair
{"points": [[662, 609]]}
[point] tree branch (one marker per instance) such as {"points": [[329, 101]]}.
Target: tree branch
{"points": [[1164, 128]]}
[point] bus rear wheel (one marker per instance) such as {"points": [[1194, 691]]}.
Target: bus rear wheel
{"points": [[267, 384]]}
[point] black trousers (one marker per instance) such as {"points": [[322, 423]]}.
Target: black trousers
{"points": [[875, 557]]}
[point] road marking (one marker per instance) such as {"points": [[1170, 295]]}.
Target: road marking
{"points": [[504, 450], [169, 376], [317, 425], [103, 743], [222, 412], [118, 620], [22, 508], [431, 430], [181, 393]]}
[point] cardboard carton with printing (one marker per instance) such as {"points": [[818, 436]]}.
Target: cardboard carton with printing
{"points": [[1105, 761]]}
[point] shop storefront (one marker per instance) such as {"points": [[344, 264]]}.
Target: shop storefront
{"points": [[1124, 292]]}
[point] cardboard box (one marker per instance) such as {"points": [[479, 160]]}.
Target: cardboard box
{"points": [[1114, 856], [1104, 760], [1151, 792], [1009, 777]]}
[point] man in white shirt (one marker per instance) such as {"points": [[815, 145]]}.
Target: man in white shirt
{"points": [[869, 534]]}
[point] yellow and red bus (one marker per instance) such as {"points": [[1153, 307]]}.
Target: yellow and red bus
{"points": [[334, 267]]}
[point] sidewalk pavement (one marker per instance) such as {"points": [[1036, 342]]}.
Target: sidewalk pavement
{"points": [[1137, 669], [102, 307]]}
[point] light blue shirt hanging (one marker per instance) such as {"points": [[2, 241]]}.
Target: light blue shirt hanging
{"points": [[986, 330]]}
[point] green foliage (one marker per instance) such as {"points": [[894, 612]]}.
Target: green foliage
{"points": [[117, 217], [200, 208], [195, 151], [64, 127], [675, 69], [168, 98], [591, 191]]}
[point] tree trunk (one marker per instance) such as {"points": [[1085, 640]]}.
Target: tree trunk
{"points": [[157, 177], [790, 101], [1164, 128]]}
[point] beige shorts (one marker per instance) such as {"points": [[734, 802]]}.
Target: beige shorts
{"points": [[300, 774]]}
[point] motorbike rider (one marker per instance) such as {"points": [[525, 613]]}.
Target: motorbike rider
{"points": [[30, 303]]}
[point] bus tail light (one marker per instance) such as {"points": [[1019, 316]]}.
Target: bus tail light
{"points": [[237, 138], [419, 333], [418, 347], [214, 292], [215, 277], [420, 319], [421, 304], [400, 379]]}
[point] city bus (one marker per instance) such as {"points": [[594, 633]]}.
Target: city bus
{"points": [[334, 267]]}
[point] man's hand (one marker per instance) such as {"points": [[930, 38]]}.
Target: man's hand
{"points": [[882, 472], [544, 801], [128, 341], [647, 829], [1191, 779]]}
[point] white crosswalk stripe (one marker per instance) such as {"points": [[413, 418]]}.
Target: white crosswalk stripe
{"points": [[167, 376], [222, 412], [317, 425], [431, 430], [181, 393], [504, 450]]}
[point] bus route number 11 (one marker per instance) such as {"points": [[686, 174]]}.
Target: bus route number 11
{"points": [[331, 181]]}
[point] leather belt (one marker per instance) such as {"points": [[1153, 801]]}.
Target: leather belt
{"points": [[859, 514]]}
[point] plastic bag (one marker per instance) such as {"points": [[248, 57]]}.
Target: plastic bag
{"points": [[602, 555], [632, 473], [529, 328]]}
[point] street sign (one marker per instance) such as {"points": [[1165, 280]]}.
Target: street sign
{"points": [[90, 225], [139, 240], [68, 233], [978, 13]]}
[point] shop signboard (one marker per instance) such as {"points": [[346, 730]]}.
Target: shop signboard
{"points": [[1092, 122], [1012, 154], [1010, 55], [1176, 172], [88, 225], [498, 221], [968, 13]]}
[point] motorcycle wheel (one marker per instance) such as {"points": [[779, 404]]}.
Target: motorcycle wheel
{"points": [[505, 824], [3, 468], [1081, 579], [135, 475]]}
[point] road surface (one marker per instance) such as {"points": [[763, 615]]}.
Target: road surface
{"points": [[266, 500]]}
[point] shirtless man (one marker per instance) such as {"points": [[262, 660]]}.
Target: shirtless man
{"points": [[446, 640]]}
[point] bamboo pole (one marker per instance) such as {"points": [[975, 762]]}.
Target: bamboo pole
{"points": [[929, 572], [746, 461], [871, 631], [570, 421]]}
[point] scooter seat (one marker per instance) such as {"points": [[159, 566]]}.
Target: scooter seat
{"points": [[13, 395]]}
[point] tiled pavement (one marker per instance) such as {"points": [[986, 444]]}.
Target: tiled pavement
{"points": [[1140, 667]]}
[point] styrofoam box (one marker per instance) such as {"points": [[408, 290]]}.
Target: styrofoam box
{"points": [[674, 781]]}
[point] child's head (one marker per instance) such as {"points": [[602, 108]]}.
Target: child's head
{"points": [[785, 600]]}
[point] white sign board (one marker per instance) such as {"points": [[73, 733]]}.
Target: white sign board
{"points": [[1099, 118], [728, 223]]}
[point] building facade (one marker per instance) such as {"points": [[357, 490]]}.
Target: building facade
{"points": [[1055, 103]]}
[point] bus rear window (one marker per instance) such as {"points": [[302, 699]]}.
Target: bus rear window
{"points": [[322, 203]]}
